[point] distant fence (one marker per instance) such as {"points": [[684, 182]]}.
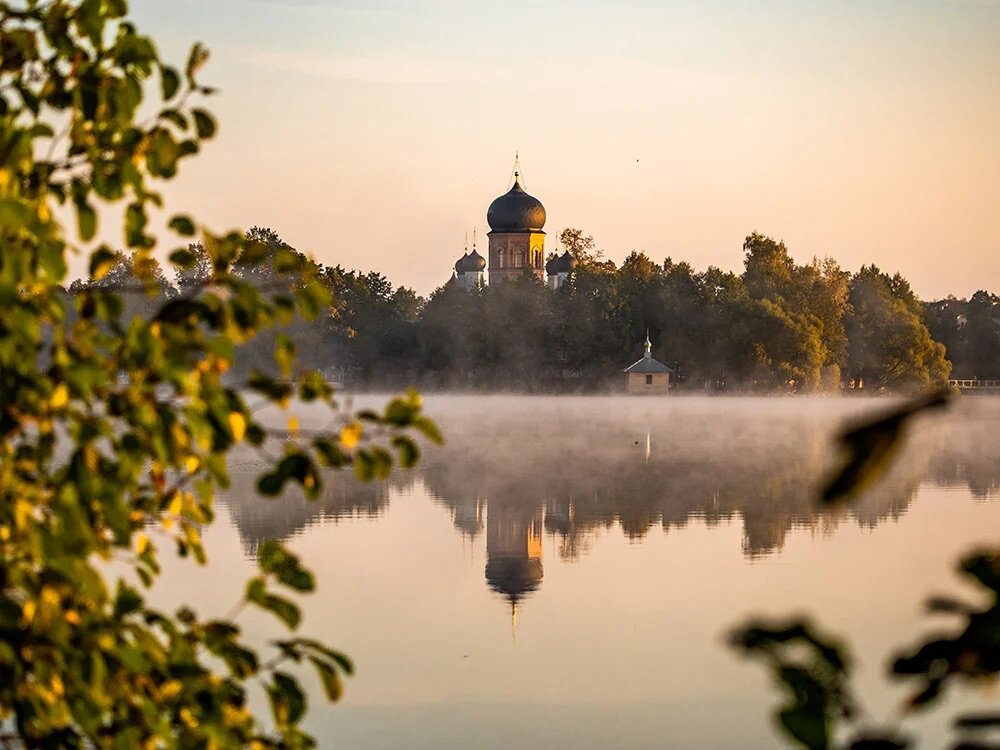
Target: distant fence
{"points": [[975, 385]]}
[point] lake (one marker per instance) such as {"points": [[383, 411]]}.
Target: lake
{"points": [[562, 573]]}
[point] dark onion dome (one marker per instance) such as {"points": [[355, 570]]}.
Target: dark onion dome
{"points": [[564, 263], [470, 263], [516, 211], [513, 576], [567, 263]]}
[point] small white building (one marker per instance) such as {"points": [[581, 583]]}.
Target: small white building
{"points": [[648, 375]]}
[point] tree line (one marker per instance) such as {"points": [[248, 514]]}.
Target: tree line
{"points": [[777, 326]]}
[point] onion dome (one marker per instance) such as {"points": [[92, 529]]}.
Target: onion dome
{"points": [[564, 263], [513, 576], [516, 211], [470, 263]]}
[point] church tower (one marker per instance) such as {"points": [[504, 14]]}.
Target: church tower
{"points": [[517, 242]]}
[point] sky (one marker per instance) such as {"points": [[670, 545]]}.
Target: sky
{"points": [[374, 135]]}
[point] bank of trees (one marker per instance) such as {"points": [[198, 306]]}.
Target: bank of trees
{"points": [[777, 326], [969, 329]]}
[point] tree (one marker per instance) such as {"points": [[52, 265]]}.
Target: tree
{"points": [[889, 345], [199, 271], [580, 246], [95, 469]]}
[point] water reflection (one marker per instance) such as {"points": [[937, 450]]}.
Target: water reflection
{"points": [[515, 469], [513, 551]]}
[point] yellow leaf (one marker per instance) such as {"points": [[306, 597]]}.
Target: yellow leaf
{"points": [[191, 464], [170, 689], [23, 510], [188, 718], [72, 617], [60, 396], [238, 425], [350, 435], [141, 542], [293, 425], [176, 504]]}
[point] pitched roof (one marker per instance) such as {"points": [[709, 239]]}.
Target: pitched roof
{"points": [[648, 364]]}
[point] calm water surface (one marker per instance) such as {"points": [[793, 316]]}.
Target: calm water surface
{"points": [[561, 574]]}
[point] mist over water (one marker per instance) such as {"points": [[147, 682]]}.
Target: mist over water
{"points": [[639, 463], [561, 571]]}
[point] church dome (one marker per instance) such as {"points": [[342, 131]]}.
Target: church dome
{"points": [[516, 211], [564, 263], [470, 263], [513, 576]]}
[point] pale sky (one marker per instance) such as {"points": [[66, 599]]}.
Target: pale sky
{"points": [[375, 134]]}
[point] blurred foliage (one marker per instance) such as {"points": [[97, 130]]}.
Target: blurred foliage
{"points": [[814, 670], [117, 413]]}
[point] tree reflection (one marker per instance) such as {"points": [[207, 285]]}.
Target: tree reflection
{"points": [[572, 470]]}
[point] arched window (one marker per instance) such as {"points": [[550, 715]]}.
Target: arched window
{"points": [[499, 258]]}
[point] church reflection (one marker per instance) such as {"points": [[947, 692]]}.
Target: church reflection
{"points": [[575, 476], [513, 552]]}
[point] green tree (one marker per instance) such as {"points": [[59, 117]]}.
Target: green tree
{"points": [[581, 246], [889, 345], [93, 469]]}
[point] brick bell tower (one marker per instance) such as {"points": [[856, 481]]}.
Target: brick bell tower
{"points": [[517, 242]]}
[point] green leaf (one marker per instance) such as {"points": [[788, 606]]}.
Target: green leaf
{"points": [[182, 258], [288, 702], [284, 354], [429, 429], [86, 218], [409, 453], [135, 225], [283, 609], [102, 260], [330, 453], [204, 124], [278, 561], [183, 225], [176, 117], [127, 600], [332, 685], [196, 60], [170, 82]]}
